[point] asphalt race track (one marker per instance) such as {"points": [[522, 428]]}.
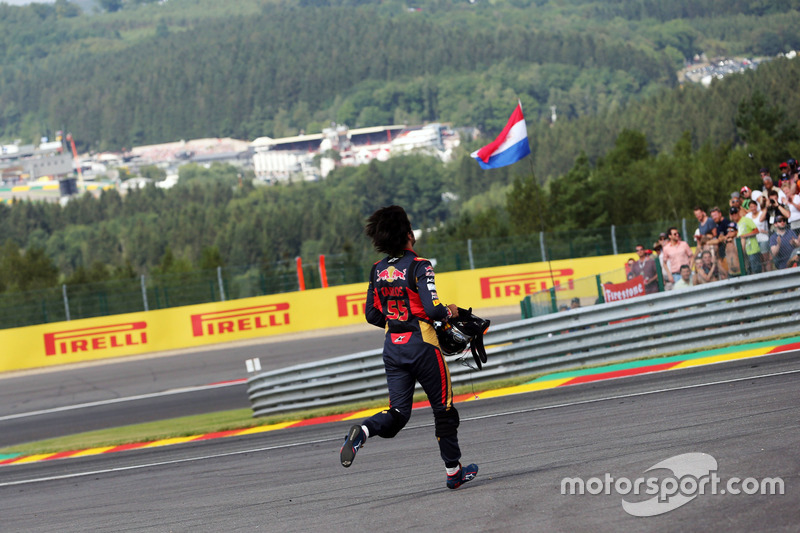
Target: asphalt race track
{"points": [[54, 402], [145, 388], [744, 414]]}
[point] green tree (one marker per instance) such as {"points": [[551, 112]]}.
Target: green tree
{"points": [[527, 205], [757, 120], [111, 5], [153, 172], [33, 271], [210, 258]]}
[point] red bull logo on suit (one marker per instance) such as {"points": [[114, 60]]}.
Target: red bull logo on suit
{"points": [[390, 274]]}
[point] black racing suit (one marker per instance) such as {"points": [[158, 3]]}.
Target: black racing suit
{"points": [[402, 299]]}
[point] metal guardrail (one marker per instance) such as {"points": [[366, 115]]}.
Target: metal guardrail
{"points": [[727, 312]]}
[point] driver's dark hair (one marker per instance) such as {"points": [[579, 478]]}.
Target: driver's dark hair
{"points": [[388, 227]]}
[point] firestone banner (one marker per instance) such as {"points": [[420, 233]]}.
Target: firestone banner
{"points": [[252, 318], [613, 292]]}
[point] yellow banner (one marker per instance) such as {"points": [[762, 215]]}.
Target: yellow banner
{"points": [[204, 324]]}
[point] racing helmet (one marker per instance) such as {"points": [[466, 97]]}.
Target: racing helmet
{"points": [[462, 331]]}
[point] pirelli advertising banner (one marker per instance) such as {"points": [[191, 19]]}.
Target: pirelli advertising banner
{"points": [[199, 325]]}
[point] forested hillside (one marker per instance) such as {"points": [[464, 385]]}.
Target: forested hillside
{"points": [[209, 218], [628, 147], [194, 68]]}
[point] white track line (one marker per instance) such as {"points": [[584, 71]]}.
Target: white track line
{"points": [[336, 439], [631, 395], [120, 400], [162, 463]]}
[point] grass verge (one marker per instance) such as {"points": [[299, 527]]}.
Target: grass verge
{"points": [[212, 422]]}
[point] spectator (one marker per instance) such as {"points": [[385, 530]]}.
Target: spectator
{"points": [[744, 196], [645, 266], [769, 186], [697, 262], [782, 242], [685, 279], [736, 201], [673, 254], [575, 303], [707, 229], [783, 168], [720, 221], [662, 240], [794, 259], [772, 208], [707, 271], [788, 184], [747, 233], [729, 265], [722, 228], [792, 204], [764, 231], [794, 172]]}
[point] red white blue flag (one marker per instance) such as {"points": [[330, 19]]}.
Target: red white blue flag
{"points": [[509, 147]]}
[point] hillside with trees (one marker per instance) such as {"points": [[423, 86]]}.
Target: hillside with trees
{"points": [[210, 214], [630, 146], [146, 73]]}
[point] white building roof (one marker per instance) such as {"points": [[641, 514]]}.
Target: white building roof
{"points": [[268, 141]]}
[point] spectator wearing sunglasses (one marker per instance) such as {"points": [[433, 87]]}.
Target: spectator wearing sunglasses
{"points": [[674, 253]]}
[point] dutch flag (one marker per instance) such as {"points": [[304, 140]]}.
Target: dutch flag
{"points": [[509, 147]]}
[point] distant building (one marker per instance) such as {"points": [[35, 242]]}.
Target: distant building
{"points": [[20, 163], [201, 151], [301, 157], [703, 71], [313, 157]]}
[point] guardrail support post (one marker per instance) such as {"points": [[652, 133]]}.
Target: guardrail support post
{"points": [[601, 298], [221, 286], [144, 295], [660, 275], [740, 253], [614, 239], [526, 307], [471, 258], [66, 300], [541, 244]]}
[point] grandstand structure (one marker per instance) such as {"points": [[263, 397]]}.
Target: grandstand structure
{"points": [[313, 157], [297, 158]]}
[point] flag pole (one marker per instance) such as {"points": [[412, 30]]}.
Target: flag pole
{"points": [[539, 211], [541, 228], [508, 149]]}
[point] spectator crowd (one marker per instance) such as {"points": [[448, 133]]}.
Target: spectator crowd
{"points": [[756, 232]]}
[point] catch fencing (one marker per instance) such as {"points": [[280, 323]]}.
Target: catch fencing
{"points": [[732, 311], [74, 301]]}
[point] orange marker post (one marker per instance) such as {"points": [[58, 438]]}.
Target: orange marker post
{"points": [[323, 274], [301, 281]]}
